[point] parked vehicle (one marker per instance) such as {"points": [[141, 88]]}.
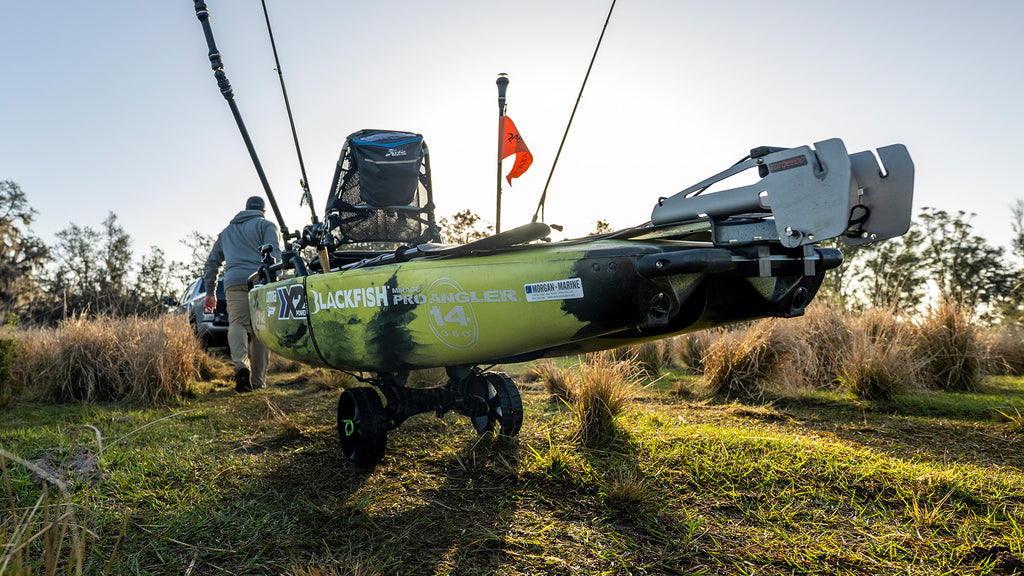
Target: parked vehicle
{"points": [[210, 329]]}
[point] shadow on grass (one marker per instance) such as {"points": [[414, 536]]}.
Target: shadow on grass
{"points": [[440, 502], [459, 517], [632, 510]]}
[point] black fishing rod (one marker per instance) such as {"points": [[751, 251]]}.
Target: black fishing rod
{"points": [[225, 88], [316, 234], [307, 198], [544, 195]]}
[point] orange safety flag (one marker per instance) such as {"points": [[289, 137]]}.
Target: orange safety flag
{"points": [[512, 143]]}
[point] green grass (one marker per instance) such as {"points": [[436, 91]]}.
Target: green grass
{"points": [[821, 483]]}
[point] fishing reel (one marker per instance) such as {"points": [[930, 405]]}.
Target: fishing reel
{"points": [[317, 235], [267, 271]]}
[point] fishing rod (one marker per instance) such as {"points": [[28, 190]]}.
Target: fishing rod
{"points": [[316, 234], [225, 88], [544, 195], [307, 198]]}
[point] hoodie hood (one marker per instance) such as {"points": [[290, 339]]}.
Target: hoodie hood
{"points": [[246, 215]]}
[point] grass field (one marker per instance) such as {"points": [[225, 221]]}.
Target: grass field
{"points": [[816, 483]]}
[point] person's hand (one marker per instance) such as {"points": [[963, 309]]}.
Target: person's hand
{"points": [[210, 303]]}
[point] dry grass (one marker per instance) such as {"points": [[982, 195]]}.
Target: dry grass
{"points": [[597, 390], [600, 391], [558, 382], [827, 333], [881, 358], [648, 357], [1005, 350], [876, 354], [688, 350], [146, 360], [319, 379], [952, 342], [428, 378], [744, 362], [278, 363]]}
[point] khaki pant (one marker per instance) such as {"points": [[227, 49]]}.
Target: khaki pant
{"points": [[246, 349]]}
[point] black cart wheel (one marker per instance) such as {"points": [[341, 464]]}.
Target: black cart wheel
{"points": [[504, 405], [362, 426]]}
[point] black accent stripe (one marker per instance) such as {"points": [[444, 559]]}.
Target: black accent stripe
{"points": [[309, 327]]}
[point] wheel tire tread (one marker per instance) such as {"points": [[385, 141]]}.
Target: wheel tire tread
{"points": [[368, 449]]}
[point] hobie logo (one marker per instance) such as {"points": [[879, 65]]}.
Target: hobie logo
{"points": [[392, 152], [293, 302]]}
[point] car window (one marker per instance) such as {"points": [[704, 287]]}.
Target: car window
{"points": [[187, 294], [199, 288]]}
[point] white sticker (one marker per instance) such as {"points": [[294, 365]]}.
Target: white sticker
{"points": [[554, 290], [259, 321]]}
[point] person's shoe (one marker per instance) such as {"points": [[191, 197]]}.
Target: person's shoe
{"points": [[242, 381]]}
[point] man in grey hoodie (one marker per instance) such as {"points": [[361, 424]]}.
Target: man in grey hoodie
{"points": [[238, 247]]}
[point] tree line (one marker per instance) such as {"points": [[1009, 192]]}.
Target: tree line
{"points": [[85, 270], [88, 270], [940, 258]]}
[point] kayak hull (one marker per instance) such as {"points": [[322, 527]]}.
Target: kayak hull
{"points": [[518, 304]]}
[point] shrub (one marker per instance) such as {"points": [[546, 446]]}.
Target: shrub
{"points": [[951, 342], [147, 360]]}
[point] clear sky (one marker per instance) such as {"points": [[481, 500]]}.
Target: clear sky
{"points": [[112, 106]]}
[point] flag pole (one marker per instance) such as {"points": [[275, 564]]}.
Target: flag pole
{"points": [[502, 83]]}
